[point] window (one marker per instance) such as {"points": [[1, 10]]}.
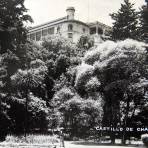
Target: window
{"points": [[70, 35], [100, 31], [44, 32], [28, 36], [84, 30], [107, 32], [32, 36], [58, 29], [38, 36], [70, 27], [51, 30], [93, 30]]}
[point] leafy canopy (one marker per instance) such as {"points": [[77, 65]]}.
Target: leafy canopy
{"points": [[12, 18]]}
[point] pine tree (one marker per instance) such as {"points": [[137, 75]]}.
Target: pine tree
{"points": [[125, 22], [144, 23]]}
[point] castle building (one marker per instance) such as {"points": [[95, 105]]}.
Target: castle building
{"points": [[68, 27]]}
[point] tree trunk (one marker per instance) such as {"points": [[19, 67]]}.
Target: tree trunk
{"points": [[112, 138], [125, 121], [26, 112]]}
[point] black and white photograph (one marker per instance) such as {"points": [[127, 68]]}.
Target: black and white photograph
{"points": [[73, 73]]}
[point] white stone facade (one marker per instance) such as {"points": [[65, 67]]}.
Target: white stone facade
{"points": [[67, 27]]}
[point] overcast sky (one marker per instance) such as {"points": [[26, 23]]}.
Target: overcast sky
{"points": [[86, 10]]}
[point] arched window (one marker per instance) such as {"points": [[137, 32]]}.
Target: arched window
{"points": [[84, 30], [70, 27]]}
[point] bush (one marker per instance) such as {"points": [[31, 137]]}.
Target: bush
{"points": [[145, 139]]}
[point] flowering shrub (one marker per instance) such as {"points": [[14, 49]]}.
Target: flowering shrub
{"points": [[60, 45], [110, 55]]}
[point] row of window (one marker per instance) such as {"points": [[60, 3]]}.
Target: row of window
{"points": [[37, 36], [95, 30], [49, 31]]}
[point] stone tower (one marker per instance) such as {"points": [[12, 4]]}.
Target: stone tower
{"points": [[70, 13]]}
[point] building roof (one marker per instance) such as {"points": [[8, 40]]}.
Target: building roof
{"points": [[77, 21], [70, 8], [65, 19], [49, 23], [99, 24], [55, 22]]}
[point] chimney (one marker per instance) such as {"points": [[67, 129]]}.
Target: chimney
{"points": [[70, 13]]}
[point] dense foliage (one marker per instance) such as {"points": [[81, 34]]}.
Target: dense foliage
{"points": [[27, 88], [118, 72], [85, 42], [75, 86], [12, 18], [144, 23], [12, 35], [125, 23], [57, 87]]}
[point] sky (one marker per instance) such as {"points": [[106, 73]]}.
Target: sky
{"points": [[43, 11]]}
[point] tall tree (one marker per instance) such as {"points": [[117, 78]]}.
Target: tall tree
{"points": [[144, 22], [125, 22], [12, 35], [12, 18], [25, 80]]}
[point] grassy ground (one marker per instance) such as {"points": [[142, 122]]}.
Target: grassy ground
{"points": [[46, 141], [30, 141]]}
